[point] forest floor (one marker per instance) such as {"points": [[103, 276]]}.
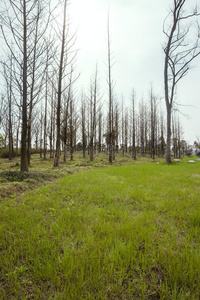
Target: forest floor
{"points": [[42, 172], [95, 231]]}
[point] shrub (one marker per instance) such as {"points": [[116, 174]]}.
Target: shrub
{"points": [[19, 176], [15, 175], [4, 153]]}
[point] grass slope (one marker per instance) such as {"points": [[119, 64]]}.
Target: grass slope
{"points": [[128, 232]]}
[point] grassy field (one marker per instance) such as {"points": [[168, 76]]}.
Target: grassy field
{"points": [[128, 231]]}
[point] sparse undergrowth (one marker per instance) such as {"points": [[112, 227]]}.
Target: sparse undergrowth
{"points": [[120, 232], [12, 181], [41, 171]]}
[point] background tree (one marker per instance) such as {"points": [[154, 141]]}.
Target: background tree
{"points": [[110, 96], [94, 89], [20, 30], [8, 77], [66, 59], [133, 99], [153, 122], [60, 81], [83, 125]]}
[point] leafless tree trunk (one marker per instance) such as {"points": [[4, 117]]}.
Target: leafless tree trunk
{"points": [[179, 53], [65, 127], [93, 113], [83, 125], [71, 128], [60, 79], [116, 128], [153, 122], [162, 139], [100, 130], [66, 116], [176, 136], [122, 129], [41, 132], [133, 126], [24, 161], [110, 90], [20, 18], [45, 115], [142, 128], [66, 47], [52, 124], [8, 76], [126, 125], [37, 65]]}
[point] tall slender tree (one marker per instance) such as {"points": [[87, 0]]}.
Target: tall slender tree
{"points": [[133, 99], [19, 21], [110, 95], [60, 82], [67, 56], [179, 53]]}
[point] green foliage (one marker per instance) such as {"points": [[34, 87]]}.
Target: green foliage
{"points": [[19, 176], [14, 175], [4, 153], [118, 232], [2, 141]]}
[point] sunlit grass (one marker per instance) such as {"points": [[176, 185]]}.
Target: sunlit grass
{"points": [[118, 232]]}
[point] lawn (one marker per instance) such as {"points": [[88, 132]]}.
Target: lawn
{"points": [[128, 231]]}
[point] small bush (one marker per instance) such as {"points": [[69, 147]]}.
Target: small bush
{"points": [[188, 152], [35, 151], [19, 176], [15, 175], [4, 152]]}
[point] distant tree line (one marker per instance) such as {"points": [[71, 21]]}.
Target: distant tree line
{"points": [[41, 108]]}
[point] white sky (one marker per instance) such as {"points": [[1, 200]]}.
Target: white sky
{"points": [[137, 39]]}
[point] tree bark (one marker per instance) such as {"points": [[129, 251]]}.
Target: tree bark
{"points": [[24, 161], [57, 154]]}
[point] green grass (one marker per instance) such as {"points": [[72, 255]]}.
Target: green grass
{"points": [[118, 232], [42, 171]]}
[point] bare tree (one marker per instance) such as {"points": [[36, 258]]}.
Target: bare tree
{"points": [[39, 61], [133, 98], [100, 120], [71, 125], [41, 131], [122, 127], [142, 127], [83, 124], [161, 141], [126, 128], [52, 121], [8, 75], [20, 24], [93, 112], [179, 53], [2, 108], [45, 115], [66, 59], [60, 81], [153, 122], [116, 128], [176, 136], [65, 122], [110, 100]]}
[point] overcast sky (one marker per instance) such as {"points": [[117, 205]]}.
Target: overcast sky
{"points": [[136, 40]]}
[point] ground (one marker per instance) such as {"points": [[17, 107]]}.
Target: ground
{"points": [[95, 231]]}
